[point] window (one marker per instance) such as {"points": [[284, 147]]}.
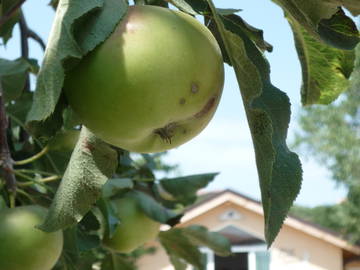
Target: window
{"points": [[251, 257], [239, 261]]}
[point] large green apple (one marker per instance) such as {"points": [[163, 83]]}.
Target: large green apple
{"points": [[24, 247], [152, 85], [135, 228]]}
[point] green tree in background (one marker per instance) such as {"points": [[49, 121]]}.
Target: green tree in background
{"points": [[331, 134]]}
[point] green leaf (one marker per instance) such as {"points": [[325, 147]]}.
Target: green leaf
{"points": [[111, 218], [200, 236], [255, 34], [322, 19], [184, 189], [268, 112], [227, 11], [7, 28], [19, 109], [193, 7], [116, 185], [87, 241], [178, 246], [79, 26], [153, 209], [92, 163], [2, 203], [64, 140], [90, 222], [13, 75], [339, 31], [325, 70], [178, 263]]}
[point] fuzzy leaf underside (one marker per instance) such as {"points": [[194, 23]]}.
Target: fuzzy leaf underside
{"points": [[325, 70], [78, 27], [268, 113], [91, 164]]}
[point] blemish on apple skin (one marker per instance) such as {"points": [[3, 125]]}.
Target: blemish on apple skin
{"points": [[207, 108], [182, 101], [194, 88], [167, 132]]}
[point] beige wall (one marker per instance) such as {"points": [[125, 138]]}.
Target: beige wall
{"points": [[292, 249]]}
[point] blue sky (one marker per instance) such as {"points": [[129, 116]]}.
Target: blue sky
{"points": [[225, 145]]}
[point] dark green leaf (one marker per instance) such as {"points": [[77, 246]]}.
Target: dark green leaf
{"points": [[111, 218], [256, 35], [88, 23], [18, 110], [153, 209], [87, 241], [160, 3], [268, 113], [177, 262], [2, 203], [325, 70], [227, 11], [184, 189], [200, 236], [7, 28], [91, 164], [64, 140], [13, 76], [116, 185], [339, 31], [192, 7], [44, 130], [90, 222], [323, 19], [178, 246], [70, 119]]}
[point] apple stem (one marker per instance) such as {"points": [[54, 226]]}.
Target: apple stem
{"points": [[33, 158]]}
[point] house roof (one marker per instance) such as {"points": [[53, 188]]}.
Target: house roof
{"points": [[211, 200]]}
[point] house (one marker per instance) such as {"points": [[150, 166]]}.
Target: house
{"points": [[300, 245]]}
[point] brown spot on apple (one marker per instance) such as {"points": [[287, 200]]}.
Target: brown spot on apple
{"points": [[194, 88], [182, 101], [207, 108]]}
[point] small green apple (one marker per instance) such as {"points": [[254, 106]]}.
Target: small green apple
{"points": [[24, 247], [152, 85], [135, 228]]}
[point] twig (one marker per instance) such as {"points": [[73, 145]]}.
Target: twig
{"points": [[11, 12], [6, 161], [42, 180], [24, 35], [37, 38], [33, 158]]}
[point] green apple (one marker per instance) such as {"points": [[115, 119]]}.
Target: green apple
{"points": [[24, 247], [135, 228], [152, 85]]}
